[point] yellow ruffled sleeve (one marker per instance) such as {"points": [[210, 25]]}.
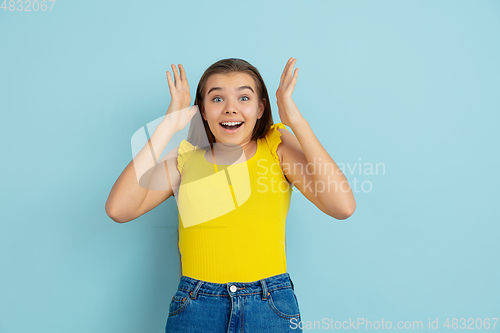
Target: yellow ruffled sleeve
{"points": [[185, 149], [273, 138]]}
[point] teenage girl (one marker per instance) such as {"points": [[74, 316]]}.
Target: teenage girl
{"points": [[232, 180]]}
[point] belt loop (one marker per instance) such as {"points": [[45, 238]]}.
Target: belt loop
{"points": [[265, 293], [291, 281], [194, 292]]}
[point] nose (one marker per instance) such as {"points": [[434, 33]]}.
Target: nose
{"points": [[230, 108]]}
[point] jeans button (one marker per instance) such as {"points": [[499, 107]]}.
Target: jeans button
{"points": [[233, 288]]}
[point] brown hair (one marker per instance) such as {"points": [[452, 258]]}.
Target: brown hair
{"points": [[232, 65]]}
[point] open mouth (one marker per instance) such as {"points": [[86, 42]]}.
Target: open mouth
{"points": [[231, 126]]}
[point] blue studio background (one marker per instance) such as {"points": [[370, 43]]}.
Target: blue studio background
{"points": [[404, 94]]}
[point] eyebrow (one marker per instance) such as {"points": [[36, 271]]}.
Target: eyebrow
{"points": [[240, 88]]}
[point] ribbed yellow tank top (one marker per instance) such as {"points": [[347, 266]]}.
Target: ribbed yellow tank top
{"points": [[232, 218]]}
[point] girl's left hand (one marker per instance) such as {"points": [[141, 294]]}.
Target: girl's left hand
{"points": [[288, 111]]}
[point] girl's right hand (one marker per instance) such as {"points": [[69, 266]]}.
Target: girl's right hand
{"points": [[179, 113]]}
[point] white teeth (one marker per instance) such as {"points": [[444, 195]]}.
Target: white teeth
{"points": [[231, 123]]}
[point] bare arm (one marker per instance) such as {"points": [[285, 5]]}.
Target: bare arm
{"points": [[145, 183], [332, 192], [318, 177]]}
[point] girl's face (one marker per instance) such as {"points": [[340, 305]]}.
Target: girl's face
{"points": [[232, 98]]}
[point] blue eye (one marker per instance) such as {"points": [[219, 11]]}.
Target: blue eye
{"points": [[213, 99]]}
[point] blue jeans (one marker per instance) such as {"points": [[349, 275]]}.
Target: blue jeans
{"points": [[267, 305]]}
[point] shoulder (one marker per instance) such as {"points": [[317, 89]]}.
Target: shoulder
{"points": [[282, 142], [288, 141], [184, 151], [279, 151], [274, 139]]}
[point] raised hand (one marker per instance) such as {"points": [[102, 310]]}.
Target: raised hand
{"points": [[179, 113], [288, 111]]}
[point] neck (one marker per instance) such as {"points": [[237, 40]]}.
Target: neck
{"points": [[232, 146], [231, 151]]}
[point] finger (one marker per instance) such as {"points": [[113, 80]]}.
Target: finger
{"points": [[289, 72], [176, 74], [183, 73], [284, 71], [294, 79], [171, 85], [183, 76]]}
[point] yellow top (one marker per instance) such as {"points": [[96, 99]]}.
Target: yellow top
{"points": [[232, 217]]}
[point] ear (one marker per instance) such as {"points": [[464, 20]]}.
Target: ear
{"points": [[262, 107], [200, 106]]}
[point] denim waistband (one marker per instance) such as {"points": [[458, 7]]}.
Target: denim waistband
{"points": [[263, 286]]}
